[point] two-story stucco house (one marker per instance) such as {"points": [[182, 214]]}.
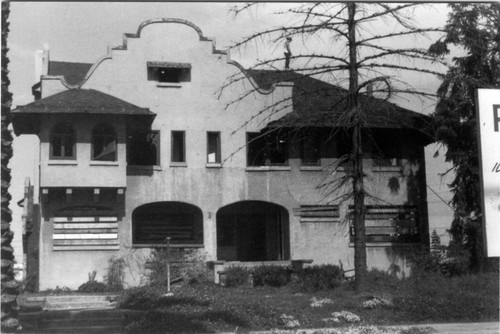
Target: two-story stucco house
{"points": [[152, 142]]}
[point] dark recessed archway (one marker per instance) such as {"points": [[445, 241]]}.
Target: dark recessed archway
{"points": [[253, 231]]}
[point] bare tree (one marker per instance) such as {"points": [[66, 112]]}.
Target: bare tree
{"points": [[354, 45]]}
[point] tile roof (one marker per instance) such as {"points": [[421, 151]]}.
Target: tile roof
{"points": [[75, 101], [317, 103], [73, 73]]}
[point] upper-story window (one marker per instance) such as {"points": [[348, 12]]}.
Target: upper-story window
{"points": [[178, 146], [169, 72], [310, 148], [62, 142], [213, 147], [143, 147], [103, 143], [268, 149]]}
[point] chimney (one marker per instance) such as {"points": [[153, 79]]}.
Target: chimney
{"points": [[369, 89], [41, 62]]}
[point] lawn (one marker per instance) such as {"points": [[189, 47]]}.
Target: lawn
{"points": [[206, 307]]}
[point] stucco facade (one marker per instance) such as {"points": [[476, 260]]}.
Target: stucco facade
{"points": [[228, 191]]}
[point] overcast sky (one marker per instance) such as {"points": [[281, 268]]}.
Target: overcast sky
{"points": [[81, 32]]}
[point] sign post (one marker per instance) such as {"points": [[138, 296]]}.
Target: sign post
{"points": [[488, 116]]}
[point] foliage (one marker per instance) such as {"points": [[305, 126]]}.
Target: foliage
{"points": [[236, 276], [92, 286], [322, 277], [189, 265], [474, 27], [274, 276], [141, 298], [115, 274], [10, 286]]}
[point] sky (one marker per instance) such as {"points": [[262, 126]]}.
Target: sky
{"points": [[82, 32]]}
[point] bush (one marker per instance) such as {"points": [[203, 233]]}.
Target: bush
{"points": [[322, 277], [236, 276], [271, 275], [141, 298], [93, 287], [116, 274], [381, 281]]}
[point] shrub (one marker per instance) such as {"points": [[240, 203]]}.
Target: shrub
{"points": [[381, 281], [271, 275], [116, 274], [322, 277], [141, 298], [92, 286], [236, 276]]}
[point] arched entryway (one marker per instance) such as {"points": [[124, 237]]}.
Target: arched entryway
{"points": [[152, 223], [253, 231]]}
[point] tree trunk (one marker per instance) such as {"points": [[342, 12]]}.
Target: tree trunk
{"points": [[9, 285], [357, 157]]}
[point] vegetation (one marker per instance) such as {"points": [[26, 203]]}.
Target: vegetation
{"points": [[116, 274], [9, 285], [207, 307], [359, 56], [474, 28]]}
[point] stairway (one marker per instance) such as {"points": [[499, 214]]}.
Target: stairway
{"points": [[75, 314]]}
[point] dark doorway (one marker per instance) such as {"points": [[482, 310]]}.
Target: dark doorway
{"points": [[252, 231]]}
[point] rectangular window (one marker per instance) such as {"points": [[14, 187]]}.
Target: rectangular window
{"points": [[178, 146], [398, 223], [310, 148], [213, 147], [143, 147], [168, 72], [267, 149]]}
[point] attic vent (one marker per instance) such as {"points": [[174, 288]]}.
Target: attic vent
{"points": [[318, 213], [169, 72]]}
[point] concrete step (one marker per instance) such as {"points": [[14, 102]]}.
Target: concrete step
{"points": [[86, 298], [79, 305], [76, 330], [73, 314]]}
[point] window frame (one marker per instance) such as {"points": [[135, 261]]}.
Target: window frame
{"points": [[103, 136], [175, 73], [173, 146], [313, 137], [53, 135], [218, 157], [157, 143], [267, 151]]}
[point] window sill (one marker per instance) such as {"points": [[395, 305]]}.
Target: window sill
{"points": [[168, 84], [178, 164], [146, 168], [387, 169], [311, 168], [268, 169], [165, 245], [104, 163], [213, 165], [62, 163], [389, 244]]}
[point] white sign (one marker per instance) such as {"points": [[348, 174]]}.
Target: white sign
{"points": [[488, 108]]}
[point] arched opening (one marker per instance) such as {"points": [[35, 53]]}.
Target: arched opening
{"points": [[103, 143], [253, 231], [152, 223], [62, 142]]}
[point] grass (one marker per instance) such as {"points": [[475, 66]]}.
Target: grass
{"points": [[206, 307]]}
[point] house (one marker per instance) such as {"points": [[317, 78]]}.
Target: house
{"points": [[167, 137]]}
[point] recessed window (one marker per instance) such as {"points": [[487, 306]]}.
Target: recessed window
{"points": [[168, 72], [178, 146], [143, 147], [103, 143], [310, 148], [213, 147], [267, 149], [62, 142]]}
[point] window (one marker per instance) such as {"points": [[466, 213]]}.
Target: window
{"points": [[398, 223], [268, 149], [143, 147], [178, 146], [152, 223], [310, 148], [387, 150], [103, 143], [62, 142], [213, 147], [169, 72]]}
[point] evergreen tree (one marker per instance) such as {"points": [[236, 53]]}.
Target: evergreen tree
{"points": [[474, 27], [9, 284]]}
